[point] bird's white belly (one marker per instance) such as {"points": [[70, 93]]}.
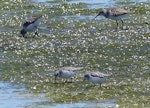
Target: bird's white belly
{"points": [[96, 80], [31, 28], [117, 17], [67, 74], [36, 23]]}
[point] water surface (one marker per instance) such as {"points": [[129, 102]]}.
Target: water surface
{"points": [[16, 96]]}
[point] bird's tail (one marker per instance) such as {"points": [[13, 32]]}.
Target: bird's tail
{"points": [[109, 75]]}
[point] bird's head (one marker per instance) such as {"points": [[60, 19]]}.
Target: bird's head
{"points": [[100, 13], [58, 74], [23, 32], [86, 77]]}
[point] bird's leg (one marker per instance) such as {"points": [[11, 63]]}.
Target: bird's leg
{"points": [[117, 25], [65, 81], [36, 33], [122, 23], [68, 81], [100, 85]]}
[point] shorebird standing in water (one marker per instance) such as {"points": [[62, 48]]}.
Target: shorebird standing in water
{"points": [[31, 26], [114, 14], [67, 72], [96, 77]]}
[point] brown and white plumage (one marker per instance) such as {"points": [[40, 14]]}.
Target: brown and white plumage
{"points": [[69, 68], [31, 25], [116, 11], [96, 77], [67, 72], [114, 14]]}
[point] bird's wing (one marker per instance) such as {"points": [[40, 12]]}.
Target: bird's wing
{"points": [[119, 11], [31, 20], [26, 24], [71, 68], [100, 75]]}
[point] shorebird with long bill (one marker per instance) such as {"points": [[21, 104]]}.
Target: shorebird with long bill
{"points": [[115, 14], [31, 26], [67, 72], [96, 77]]}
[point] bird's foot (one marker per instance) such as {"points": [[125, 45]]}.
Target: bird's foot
{"points": [[36, 34]]}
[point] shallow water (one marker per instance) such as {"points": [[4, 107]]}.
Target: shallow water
{"points": [[15, 96], [93, 104], [90, 3]]}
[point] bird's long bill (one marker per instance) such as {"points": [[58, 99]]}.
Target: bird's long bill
{"points": [[97, 16]]}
